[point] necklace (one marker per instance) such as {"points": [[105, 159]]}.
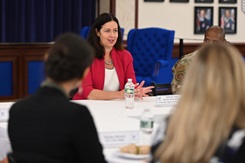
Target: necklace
{"points": [[109, 62]]}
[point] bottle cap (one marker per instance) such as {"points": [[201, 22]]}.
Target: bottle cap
{"points": [[129, 79]]}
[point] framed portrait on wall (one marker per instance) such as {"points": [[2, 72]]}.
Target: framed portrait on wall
{"points": [[227, 1], [203, 19], [227, 19], [204, 1], [177, 1]]}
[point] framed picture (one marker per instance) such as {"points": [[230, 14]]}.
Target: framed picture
{"points": [[243, 6], [203, 19], [179, 1], [227, 1], [227, 19], [153, 0], [204, 1]]}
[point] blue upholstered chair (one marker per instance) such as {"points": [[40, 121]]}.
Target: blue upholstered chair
{"points": [[85, 31], [151, 49]]}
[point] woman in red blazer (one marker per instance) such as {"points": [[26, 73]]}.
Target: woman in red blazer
{"points": [[112, 65]]}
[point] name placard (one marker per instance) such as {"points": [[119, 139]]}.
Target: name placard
{"points": [[117, 139], [167, 100]]}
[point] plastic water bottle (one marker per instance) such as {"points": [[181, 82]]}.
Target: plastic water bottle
{"points": [[129, 94], [146, 127]]}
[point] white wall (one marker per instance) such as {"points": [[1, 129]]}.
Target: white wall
{"points": [[180, 17], [125, 13], [104, 6]]}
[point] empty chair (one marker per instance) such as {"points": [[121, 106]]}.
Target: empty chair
{"points": [[151, 49]]}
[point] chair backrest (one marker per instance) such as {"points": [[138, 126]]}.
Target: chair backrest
{"points": [[85, 31], [161, 89], [148, 45]]}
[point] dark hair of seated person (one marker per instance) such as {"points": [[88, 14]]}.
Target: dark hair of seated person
{"points": [[46, 126], [94, 40], [64, 60]]}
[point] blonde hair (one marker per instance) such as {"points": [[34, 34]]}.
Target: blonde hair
{"points": [[211, 104]]}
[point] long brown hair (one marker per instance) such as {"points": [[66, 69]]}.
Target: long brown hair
{"points": [[211, 104], [94, 40]]}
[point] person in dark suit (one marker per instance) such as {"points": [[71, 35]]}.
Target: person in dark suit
{"points": [[46, 127]]}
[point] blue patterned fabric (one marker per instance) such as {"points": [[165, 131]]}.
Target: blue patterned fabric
{"points": [[151, 49]]}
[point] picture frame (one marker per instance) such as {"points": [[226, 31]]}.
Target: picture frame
{"points": [[228, 1], [153, 0], [204, 1], [243, 6], [179, 1], [228, 19], [203, 19]]}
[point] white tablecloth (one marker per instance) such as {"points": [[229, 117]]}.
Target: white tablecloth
{"points": [[4, 140], [110, 117]]}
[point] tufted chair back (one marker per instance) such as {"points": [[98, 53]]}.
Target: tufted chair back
{"points": [[148, 46]]}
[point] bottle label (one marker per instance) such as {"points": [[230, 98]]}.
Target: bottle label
{"points": [[129, 90], [146, 124]]}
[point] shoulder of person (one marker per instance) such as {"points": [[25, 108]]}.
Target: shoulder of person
{"points": [[79, 107], [123, 54], [19, 104], [236, 138], [79, 112], [186, 59], [189, 56], [230, 147]]}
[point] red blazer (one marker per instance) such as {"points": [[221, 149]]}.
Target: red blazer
{"points": [[123, 63]]}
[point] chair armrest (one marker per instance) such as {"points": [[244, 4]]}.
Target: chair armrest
{"points": [[160, 64], [161, 89]]}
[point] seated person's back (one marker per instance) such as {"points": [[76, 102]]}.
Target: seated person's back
{"points": [[47, 127]]}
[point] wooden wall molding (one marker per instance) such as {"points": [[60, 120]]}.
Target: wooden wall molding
{"points": [[21, 54], [191, 47], [13, 59], [27, 59]]}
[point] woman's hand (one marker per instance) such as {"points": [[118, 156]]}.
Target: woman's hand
{"points": [[141, 91]]}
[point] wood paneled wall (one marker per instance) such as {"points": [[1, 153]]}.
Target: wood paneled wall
{"points": [[191, 47], [20, 55]]}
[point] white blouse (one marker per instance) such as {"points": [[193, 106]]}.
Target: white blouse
{"points": [[111, 82]]}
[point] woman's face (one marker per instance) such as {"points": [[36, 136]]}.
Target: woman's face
{"points": [[108, 34]]}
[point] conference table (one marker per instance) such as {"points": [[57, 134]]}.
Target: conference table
{"points": [[116, 125]]}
